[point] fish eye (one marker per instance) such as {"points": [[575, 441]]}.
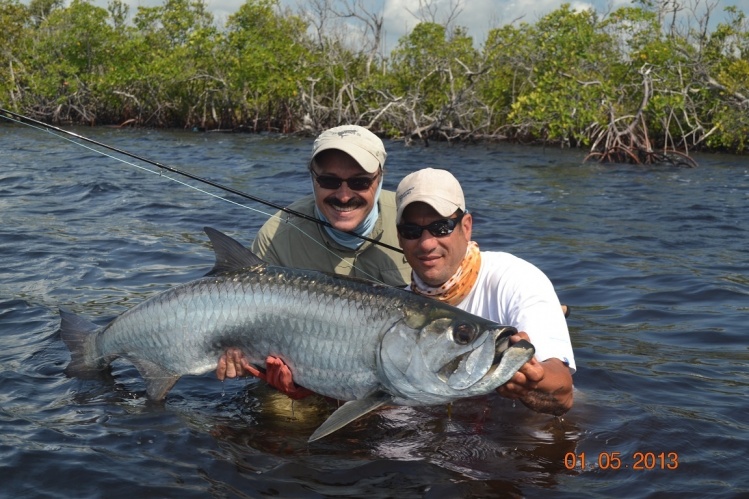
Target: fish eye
{"points": [[463, 333]]}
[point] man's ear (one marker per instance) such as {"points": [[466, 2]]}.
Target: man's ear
{"points": [[467, 224]]}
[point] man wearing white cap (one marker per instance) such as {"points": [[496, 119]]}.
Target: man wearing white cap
{"points": [[346, 171], [434, 231]]}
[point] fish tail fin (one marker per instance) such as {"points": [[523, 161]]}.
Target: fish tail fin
{"points": [[78, 334]]}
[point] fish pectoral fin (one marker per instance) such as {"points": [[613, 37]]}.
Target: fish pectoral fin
{"points": [[348, 412], [158, 380]]}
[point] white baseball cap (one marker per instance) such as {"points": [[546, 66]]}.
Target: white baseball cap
{"points": [[358, 142], [437, 188]]}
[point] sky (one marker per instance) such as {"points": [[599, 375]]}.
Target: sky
{"points": [[477, 16]]}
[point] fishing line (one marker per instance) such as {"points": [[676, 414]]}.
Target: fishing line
{"points": [[143, 168], [50, 129], [21, 119]]}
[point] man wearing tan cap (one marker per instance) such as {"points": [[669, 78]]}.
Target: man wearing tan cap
{"points": [[346, 172], [434, 231]]}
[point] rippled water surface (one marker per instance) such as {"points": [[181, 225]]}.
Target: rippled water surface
{"points": [[653, 261]]}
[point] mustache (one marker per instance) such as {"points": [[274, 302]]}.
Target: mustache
{"points": [[354, 202]]}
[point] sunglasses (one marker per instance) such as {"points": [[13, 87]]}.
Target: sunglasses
{"points": [[438, 228], [332, 182]]}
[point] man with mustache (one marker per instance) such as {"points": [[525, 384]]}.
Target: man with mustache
{"points": [[346, 171]]}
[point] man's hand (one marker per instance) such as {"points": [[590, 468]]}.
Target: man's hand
{"points": [[525, 380], [233, 364], [277, 374], [542, 386]]}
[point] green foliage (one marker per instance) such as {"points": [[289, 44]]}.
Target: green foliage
{"points": [[13, 17], [568, 79], [560, 79], [266, 59], [733, 129], [507, 51], [432, 75], [726, 103], [41, 9], [631, 30], [65, 59], [425, 65], [171, 73]]}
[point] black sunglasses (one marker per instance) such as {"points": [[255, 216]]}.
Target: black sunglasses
{"points": [[354, 183], [438, 228]]}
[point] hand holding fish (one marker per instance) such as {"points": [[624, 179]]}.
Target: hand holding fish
{"points": [[233, 364], [277, 374], [540, 386]]}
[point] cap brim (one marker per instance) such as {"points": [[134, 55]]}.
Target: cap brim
{"points": [[444, 207], [369, 163]]}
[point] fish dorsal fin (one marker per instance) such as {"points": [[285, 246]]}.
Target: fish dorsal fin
{"points": [[348, 412], [230, 254]]}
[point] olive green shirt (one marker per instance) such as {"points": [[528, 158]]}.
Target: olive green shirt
{"points": [[292, 241]]}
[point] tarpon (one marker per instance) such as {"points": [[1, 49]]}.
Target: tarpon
{"points": [[348, 339]]}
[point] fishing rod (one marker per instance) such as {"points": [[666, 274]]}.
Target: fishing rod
{"points": [[21, 119]]}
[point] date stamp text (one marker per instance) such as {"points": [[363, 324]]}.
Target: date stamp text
{"points": [[617, 461]]}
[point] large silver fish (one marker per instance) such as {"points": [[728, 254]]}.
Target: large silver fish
{"points": [[344, 338]]}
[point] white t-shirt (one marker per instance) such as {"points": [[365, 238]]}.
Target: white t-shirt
{"points": [[514, 292]]}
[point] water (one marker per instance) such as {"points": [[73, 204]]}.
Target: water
{"points": [[653, 262]]}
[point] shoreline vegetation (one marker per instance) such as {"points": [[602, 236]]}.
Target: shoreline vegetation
{"points": [[645, 83]]}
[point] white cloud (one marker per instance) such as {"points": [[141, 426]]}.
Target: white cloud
{"points": [[477, 16]]}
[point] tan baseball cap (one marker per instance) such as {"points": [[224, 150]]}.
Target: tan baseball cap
{"points": [[358, 142], [437, 188]]}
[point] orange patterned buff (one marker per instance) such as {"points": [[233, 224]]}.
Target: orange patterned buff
{"points": [[459, 285]]}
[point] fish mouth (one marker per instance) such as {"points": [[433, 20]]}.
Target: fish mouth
{"points": [[478, 364], [507, 361], [501, 344]]}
